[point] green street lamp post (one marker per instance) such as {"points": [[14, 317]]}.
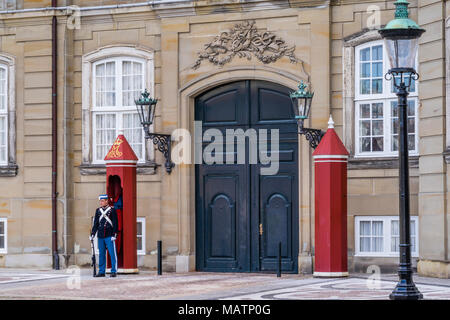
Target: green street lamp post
{"points": [[146, 106], [401, 38]]}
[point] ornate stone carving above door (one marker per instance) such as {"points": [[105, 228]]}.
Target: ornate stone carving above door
{"points": [[244, 40]]}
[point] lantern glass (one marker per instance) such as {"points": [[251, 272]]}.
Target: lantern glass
{"points": [[145, 107], [301, 107], [151, 113], [301, 101], [402, 52]]}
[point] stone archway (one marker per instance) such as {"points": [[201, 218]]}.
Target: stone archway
{"points": [[185, 261]]}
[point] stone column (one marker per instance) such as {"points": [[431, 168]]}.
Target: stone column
{"points": [[433, 230]]}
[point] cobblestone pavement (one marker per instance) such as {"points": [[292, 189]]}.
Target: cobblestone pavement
{"points": [[79, 284]]}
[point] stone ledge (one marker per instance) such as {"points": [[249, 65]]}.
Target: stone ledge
{"points": [[100, 169], [380, 163], [433, 268], [9, 170]]}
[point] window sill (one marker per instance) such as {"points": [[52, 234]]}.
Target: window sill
{"points": [[381, 255], [9, 170], [147, 168], [379, 163]]}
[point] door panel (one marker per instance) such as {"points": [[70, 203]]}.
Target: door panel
{"points": [[224, 106], [233, 200]]}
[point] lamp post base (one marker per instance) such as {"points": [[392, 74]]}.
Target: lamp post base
{"points": [[406, 290]]}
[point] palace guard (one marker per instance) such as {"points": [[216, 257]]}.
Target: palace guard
{"points": [[106, 227]]}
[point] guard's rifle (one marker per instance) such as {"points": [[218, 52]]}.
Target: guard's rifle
{"points": [[93, 262]]}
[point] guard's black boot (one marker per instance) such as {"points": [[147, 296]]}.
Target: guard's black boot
{"points": [[99, 275], [113, 275]]}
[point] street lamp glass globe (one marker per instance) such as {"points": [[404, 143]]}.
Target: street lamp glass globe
{"points": [[402, 52]]}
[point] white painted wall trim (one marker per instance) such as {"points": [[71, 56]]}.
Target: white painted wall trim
{"points": [[348, 90], [10, 63]]}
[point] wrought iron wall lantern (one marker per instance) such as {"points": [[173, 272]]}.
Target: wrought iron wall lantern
{"points": [[146, 106], [301, 103]]}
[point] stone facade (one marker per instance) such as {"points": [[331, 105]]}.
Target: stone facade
{"points": [[324, 34]]}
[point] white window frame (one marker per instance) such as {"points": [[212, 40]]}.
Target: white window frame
{"points": [[118, 109], [386, 97], [4, 250], [141, 220], [386, 236], [139, 252], [4, 114], [8, 63], [129, 52]]}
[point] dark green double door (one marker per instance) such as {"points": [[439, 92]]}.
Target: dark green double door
{"points": [[242, 215]]}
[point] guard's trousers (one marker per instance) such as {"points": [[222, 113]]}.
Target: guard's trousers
{"points": [[103, 244]]}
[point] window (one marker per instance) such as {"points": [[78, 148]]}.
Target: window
{"points": [[140, 233], [380, 236], [3, 115], [117, 83], [3, 235], [140, 237], [376, 117], [112, 78]]}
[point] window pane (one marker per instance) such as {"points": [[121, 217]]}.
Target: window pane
{"points": [[105, 83], [3, 89], [394, 142], [411, 125], [377, 127], [139, 228], [132, 82], [2, 242], [365, 87], [364, 111], [411, 108], [394, 228], [133, 132], [139, 243], [365, 70], [377, 69], [377, 110], [105, 134], [364, 127], [365, 145], [377, 52], [364, 228], [365, 54], [394, 109], [377, 86], [377, 244], [2, 228], [411, 142], [395, 244], [377, 228], [3, 142], [364, 244], [413, 227], [394, 127], [377, 144]]}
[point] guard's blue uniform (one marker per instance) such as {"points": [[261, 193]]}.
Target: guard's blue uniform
{"points": [[105, 225]]}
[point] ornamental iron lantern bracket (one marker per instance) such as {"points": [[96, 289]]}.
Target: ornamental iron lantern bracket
{"points": [[146, 106], [301, 104]]}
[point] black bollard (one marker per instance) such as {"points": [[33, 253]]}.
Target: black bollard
{"points": [[159, 257], [279, 261]]}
